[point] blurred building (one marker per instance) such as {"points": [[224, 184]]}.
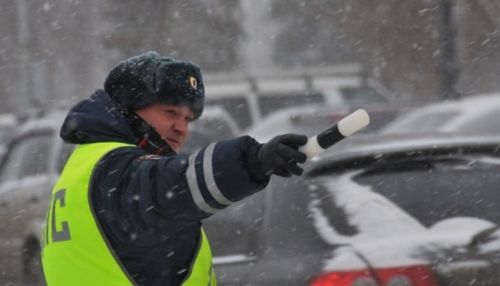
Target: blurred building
{"points": [[55, 52], [401, 42]]}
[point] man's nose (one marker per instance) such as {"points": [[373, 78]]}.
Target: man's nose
{"points": [[181, 126]]}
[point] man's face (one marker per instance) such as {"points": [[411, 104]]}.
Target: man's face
{"points": [[170, 121]]}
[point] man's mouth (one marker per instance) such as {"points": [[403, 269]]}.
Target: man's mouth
{"points": [[173, 142]]}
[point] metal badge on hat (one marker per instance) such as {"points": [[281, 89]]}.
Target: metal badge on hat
{"points": [[193, 82]]}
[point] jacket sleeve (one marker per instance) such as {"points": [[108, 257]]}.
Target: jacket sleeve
{"points": [[190, 187]]}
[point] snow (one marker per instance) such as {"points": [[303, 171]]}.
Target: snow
{"points": [[464, 224], [491, 244], [231, 259], [470, 264], [387, 236], [360, 203]]}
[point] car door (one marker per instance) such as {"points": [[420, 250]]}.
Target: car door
{"points": [[235, 238]]}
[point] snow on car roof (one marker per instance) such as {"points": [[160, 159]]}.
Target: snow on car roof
{"points": [[8, 119], [49, 120], [360, 203]]}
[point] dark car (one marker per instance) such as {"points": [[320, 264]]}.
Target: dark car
{"points": [[373, 210], [216, 124]]}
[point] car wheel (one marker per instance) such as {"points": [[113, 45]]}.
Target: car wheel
{"points": [[33, 273]]}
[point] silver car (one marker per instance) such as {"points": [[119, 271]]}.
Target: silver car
{"points": [[32, 164]]}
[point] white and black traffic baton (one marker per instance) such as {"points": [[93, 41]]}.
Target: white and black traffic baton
{"points": [[347, 126]]}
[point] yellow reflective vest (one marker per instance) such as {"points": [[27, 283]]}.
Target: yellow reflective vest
{"points": [[74, 249]]}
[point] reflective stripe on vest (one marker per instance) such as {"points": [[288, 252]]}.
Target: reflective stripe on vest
{"points": [[75, 252]]}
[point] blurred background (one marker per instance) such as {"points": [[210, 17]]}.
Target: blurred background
{"points": [[427, 166], [55, 52]]}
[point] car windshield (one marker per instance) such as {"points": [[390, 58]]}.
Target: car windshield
{"points": [[427, 190]]}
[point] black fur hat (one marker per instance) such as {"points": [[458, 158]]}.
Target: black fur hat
{"points": [[150, 78]]}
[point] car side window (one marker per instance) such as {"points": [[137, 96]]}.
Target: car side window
{"points": [[35, 160], [11, 168], [27, 156]]}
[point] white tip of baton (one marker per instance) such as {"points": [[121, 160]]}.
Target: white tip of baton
{"points": [[353, 122]]}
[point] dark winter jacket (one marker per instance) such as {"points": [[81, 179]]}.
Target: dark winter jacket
{"points": [[150, 206]]}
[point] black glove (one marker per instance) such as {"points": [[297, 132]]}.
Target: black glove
{"points": [[280, 155]]}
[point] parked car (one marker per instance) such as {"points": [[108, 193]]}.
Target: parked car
{"points": [[374, 210], [249, 98], [33, 162], [312, 119], [474, 114]]}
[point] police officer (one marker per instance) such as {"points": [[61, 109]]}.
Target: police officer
{"points": [[127, 208]]}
